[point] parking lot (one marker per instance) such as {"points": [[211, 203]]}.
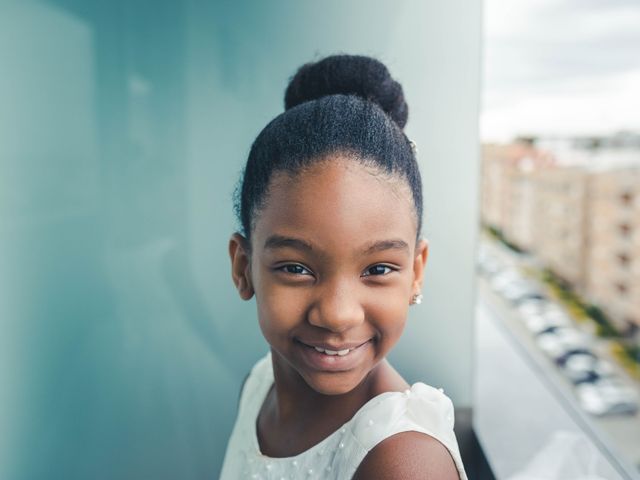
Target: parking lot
{"points": [[576, 361]]}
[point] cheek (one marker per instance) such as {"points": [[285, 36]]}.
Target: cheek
{"points": [[278, 310], [389, 313]]}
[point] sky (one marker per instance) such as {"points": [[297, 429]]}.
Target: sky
{"points": [[560, 68]]}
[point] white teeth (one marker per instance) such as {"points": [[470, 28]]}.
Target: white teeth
{"points": [[341, 353]]}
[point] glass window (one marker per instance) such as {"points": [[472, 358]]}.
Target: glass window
{"points": [[558, 313]]}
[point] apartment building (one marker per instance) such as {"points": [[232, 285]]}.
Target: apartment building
{"points": [[499, 162], [580, 216], [613, 235], [560, 221], [508, 189]]}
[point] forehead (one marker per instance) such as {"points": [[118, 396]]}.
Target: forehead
{"points": [[337, 203]]}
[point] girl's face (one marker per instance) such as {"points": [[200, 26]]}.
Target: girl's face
{"points": [[334, 265]]}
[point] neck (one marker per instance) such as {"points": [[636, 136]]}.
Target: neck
{"points": [[292, 398]]}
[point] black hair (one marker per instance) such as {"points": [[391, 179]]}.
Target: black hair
{"points": [[341, 104]]}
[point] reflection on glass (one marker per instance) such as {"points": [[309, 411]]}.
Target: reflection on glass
{"points": [[109, 345]]}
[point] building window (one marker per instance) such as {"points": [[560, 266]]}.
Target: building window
{"points": [[621, 288], [625, 229], [626, 198], [624, 260]]}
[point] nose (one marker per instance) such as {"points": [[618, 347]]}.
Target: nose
{"points": [[337, 308]]}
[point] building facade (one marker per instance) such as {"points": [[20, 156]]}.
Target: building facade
{"points": [[613, 235], [581, 219]]}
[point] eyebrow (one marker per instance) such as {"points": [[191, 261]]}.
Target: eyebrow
{"points": [[386, 245], [280, 241]]}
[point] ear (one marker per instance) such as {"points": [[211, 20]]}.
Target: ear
{"points": [[240, 265], [419, 262]]}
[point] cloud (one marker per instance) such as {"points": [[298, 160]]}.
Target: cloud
{"points": [[570, 50], [590, 106]]}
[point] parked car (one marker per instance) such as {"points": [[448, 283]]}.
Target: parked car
{"points": [[586, 368], [507, 277], [540, 323], [579, 355], [489, 264], [549, 329], [514, 287], [587, 376], [521, 291], [533, 295], [555, 314], [532, 306], [607, 396], [561, 341]]}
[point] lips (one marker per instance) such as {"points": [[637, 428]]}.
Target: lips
{"points": [[333, 349], [333, 357]]}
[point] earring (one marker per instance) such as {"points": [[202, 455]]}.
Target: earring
{"points": [[416, 299], [414, 147]]}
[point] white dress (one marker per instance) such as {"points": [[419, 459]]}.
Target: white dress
{"points": [[422, 408]]}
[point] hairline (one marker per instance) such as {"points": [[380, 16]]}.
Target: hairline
{"points": [[347, 156]]}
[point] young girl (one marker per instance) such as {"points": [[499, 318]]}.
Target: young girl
{"points": [[331, 209]]}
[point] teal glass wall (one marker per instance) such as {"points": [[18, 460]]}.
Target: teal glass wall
{"points": [[124, 126]]}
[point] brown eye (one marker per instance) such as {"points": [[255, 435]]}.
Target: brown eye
{"points": [[295, 269], [377, 270]]}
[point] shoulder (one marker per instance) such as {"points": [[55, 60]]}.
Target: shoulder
{"points": [[408, 455], [408, 435]]}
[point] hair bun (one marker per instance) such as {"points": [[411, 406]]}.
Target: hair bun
{"points": [[358, 75]]}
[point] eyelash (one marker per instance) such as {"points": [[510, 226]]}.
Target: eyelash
{"points": [[386, 267], [366, 273], [284, 268]]}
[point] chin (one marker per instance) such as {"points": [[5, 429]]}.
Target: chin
{"points": [[333, 383]]}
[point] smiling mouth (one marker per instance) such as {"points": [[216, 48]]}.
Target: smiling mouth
{"points": [[324, 357], [339, 351]]}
